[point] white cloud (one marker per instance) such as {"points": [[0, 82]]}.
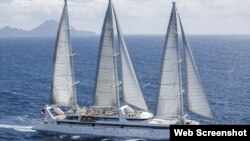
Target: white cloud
{"points": [[136, 16]]}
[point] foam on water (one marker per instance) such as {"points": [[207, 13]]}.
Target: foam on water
{"points": [[18, 128], [75, 137]]}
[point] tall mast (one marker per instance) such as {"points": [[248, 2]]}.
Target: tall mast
{"points": [[71, 59], [179, 68], [115, 61]]}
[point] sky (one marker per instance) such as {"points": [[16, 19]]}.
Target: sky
{"points": [[135, 16]]}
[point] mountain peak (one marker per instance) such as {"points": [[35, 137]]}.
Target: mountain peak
{"points": [[50, 23], [47, 28], [7, 27]]}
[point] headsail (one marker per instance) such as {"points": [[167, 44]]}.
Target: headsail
{"points": [[63, 89], [197, 102], [106, 78], [169, 97], [132, 94]]}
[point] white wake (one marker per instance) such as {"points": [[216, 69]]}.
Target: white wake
{"points": [[18, 128]]}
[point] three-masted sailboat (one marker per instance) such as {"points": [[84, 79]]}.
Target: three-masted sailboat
{"points": [[170, 100], [119, 109]]}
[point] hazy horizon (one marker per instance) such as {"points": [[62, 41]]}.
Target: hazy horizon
{"points": [[137, 17]]}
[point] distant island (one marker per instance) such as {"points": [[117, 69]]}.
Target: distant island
{"points": [[48, 28]]}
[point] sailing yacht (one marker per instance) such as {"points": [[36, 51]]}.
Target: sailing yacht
{"points": [[170, 100], [119, 109]]}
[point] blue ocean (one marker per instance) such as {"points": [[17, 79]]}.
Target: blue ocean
{"points": [[25, 77]]}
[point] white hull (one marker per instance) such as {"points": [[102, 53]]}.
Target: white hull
{"points": [[153, 128], [111, 131]]}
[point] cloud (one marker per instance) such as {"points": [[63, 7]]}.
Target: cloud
{"points": [[136, 16]]}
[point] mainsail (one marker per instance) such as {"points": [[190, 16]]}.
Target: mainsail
{"points": [[106, 77], [197, 102], [107, 85], [169, 97], [63, 89], [132, 94]]}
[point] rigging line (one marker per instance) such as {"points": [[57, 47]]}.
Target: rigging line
{"points": [[73, 54], [76, 83], [146, 85], [115, 54], [117, 84]]}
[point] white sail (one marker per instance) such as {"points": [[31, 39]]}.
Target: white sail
{"points": [[132, 94], [63, 89], [169, 98], [197, 102], [106, 78]]}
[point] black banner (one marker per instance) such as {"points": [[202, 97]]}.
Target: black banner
{"points": [[180, 132]]}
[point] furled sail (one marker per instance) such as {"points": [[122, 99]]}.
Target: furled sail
{"points": [[132, 94], [197, 102], [106, 77], [63, 89], [169, 97]]}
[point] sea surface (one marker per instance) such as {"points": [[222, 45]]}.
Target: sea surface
{"points": [[25, 78]]}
